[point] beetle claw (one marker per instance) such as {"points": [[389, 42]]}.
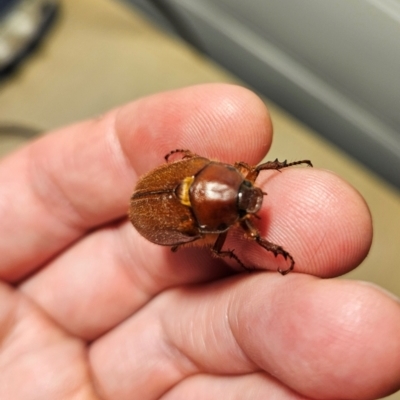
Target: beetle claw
{"points": [[186, 154]]}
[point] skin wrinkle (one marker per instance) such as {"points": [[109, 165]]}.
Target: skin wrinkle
{"points": [[9, 323], [135, 263], [188, 365], [124, 254], [169, 353], [194, 340], [211, 339], [46, 187], [259, 303], [29, 309], [215, 333], [49, 192], [270, 322], [91, 382], [117, 153], [23, 359], [231, 311], [119, 169], [60, 325]]}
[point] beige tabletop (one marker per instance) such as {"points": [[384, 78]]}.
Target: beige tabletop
{"points": [[100, 54]]}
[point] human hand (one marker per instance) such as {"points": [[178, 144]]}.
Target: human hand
{"points": [[91, 310]]}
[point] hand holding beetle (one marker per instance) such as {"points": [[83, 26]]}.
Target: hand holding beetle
{"points": [[92, 310]]}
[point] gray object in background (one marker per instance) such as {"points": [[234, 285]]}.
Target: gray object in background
{"points": [[334, 65], [22, 25]]}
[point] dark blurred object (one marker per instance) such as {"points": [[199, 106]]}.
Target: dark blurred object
{"points": [[22, 25], [21, 131], [13, 136]]}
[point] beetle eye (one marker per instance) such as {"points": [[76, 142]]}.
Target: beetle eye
{"points": [[249, 198]]}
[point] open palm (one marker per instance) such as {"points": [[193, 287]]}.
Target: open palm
{"points": [[90, 310]]}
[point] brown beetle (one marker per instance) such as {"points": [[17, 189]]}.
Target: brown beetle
{"points": [[196, 199]]}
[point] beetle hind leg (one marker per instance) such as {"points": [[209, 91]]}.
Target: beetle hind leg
{"points": [[217, 251], [252, 233], [276, 250]]}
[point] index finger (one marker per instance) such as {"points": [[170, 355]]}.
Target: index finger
{"points": [[80, 177]]}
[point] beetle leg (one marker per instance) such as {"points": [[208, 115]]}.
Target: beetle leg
{"points": [[279, 165], [186, 154], [247, 170], [175, 248], [252, 233], [243, 167], [217, 250]]}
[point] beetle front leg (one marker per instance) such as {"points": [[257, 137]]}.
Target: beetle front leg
{"points": [[217, 250], [253, 172], [243, 167], [252, 233], [281, 164]]}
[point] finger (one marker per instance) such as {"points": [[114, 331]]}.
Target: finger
{"points": [[321, 221], [80, 177], [310, 334]]}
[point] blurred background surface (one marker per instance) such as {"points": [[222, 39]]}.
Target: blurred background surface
{"points": [[101, 53], [334, 65]]}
